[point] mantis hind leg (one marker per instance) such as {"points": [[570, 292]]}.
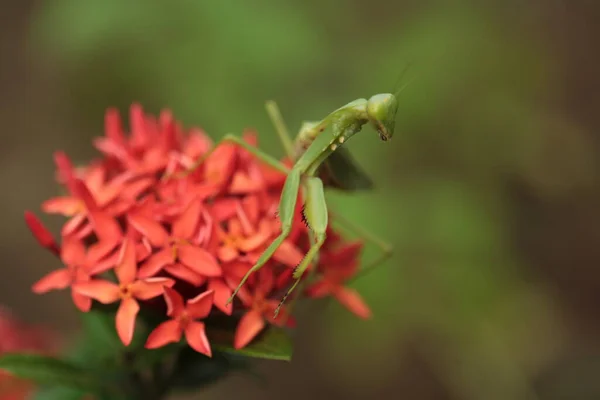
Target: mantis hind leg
{"points": [[315, 215], [280, 128], [287, 206], [385, 248]]}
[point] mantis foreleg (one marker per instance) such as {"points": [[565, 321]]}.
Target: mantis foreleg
{"points": [[315, 215], [287, 206]]}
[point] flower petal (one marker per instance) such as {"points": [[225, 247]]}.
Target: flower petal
{"points": [[200, 306], [139, 125], [350, 299], [253, 242], [182, 272], [126, 268], [318, 289], [224, 209], [251, 207], [67, 206], [186, 224], [155, 263], [245, 296], [242, 183], [265, 281], [199, 260], [65, 170], [73, 225], [112, 126], [154, 231], [165, 333], [84, 231], [106, 194], [104, 265], [195, 335], [246, 226], [222, 294], [104, 291], [227, 253], [219, 166], [72, 252], [94, 176], [143, 250], [284, 278], [104, 225], [197, 143], [250, 325], [125, 319], [83, 303], [41, 233], [100, 250], [288, 254], [237, 269], [343, 256], [174, 301], [55, 280], [134, 189], [146, 289]]}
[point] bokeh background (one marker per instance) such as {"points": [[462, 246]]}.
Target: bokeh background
{"points": [[489, 190]]}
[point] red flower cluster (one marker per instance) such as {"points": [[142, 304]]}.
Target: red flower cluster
{"points": [[19, 337], [164, 229]]}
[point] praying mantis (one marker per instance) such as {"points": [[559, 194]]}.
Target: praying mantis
{"points": [[318, 154]]}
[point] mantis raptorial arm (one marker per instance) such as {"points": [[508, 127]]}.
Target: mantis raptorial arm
{"points": [[287, 206], [315, 214]]}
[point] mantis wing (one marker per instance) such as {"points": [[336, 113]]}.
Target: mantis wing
{"points": [[341, 171]]}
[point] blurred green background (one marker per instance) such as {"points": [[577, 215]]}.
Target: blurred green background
{"points": [[489, 190]]}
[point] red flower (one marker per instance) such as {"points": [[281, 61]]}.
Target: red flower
{"points": [[78, 263], [337, 267], [204, 227], [183, 321], [87, 202], [179, 255], [128, 291]]}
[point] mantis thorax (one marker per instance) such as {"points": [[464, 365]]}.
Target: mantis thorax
{"points": [[353, 112]]}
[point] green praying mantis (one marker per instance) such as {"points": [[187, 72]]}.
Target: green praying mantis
{"points": [[320, 161]]}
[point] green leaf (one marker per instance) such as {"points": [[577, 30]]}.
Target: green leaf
{"points": [[274, 344], [195, 370], [98, 347], [49, 371], [99, 327]]}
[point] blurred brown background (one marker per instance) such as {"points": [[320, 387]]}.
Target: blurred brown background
{"points": [[489, 190]]}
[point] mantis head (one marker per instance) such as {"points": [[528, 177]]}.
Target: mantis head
{"points": [[381, 110]]}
